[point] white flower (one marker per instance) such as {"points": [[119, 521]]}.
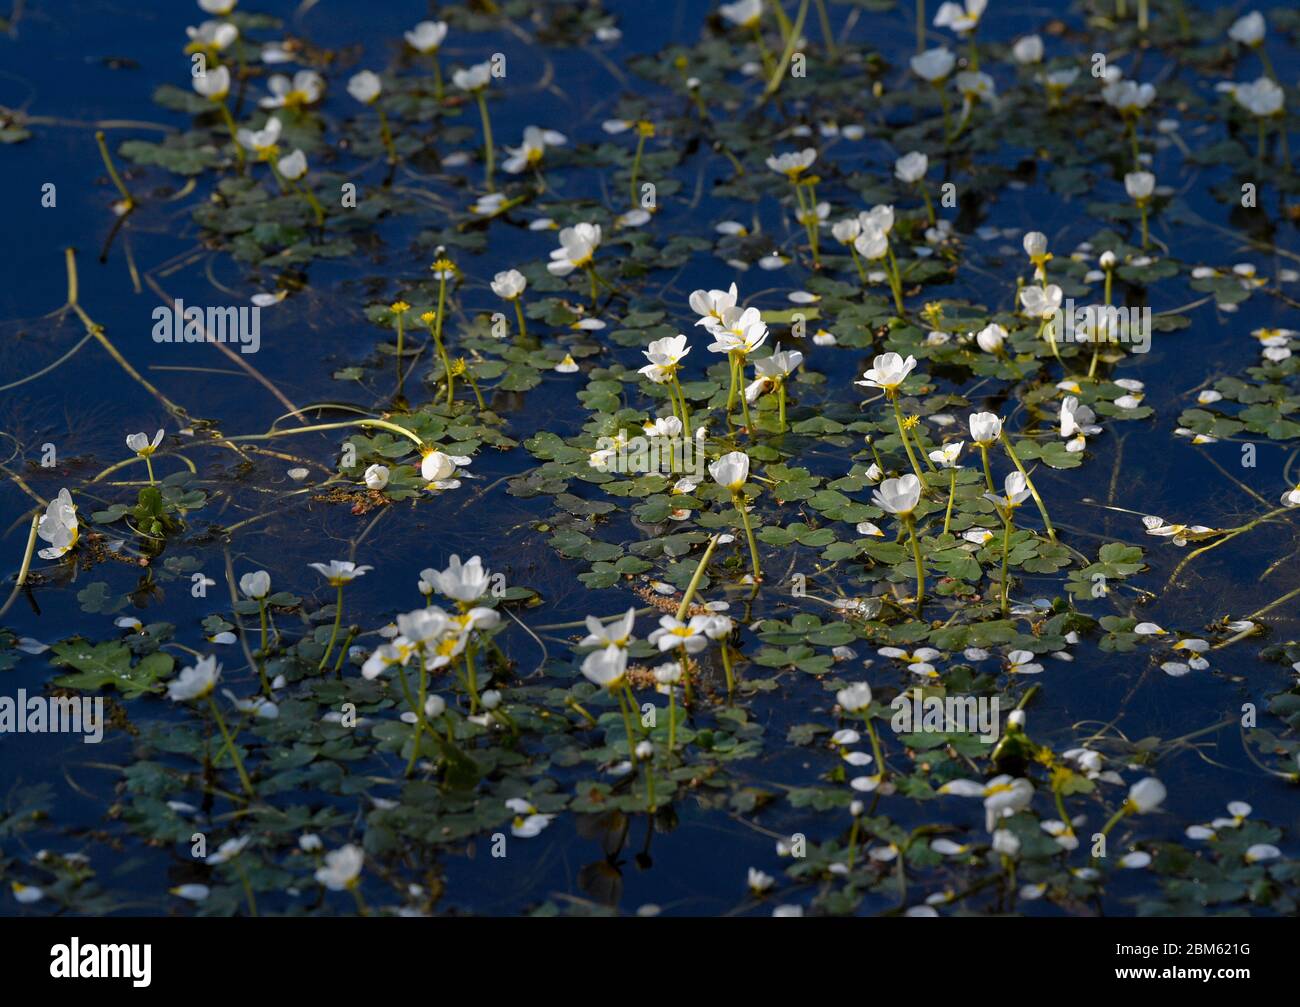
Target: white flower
{"points": [[1248, 29], [960, 19], [439, 469], [854, 698], [218, 7], [305, 88], [871, 243], [739, 330], [1262, 851], [1028, 50], [779, 365], [214, 84], [530, 152], [1077, 420], [1291, 498], [376, 477], [427, 36], [1139, 185], [191, 892], [1128, 97], [793, 164], [293, 166], [1145, 795], [606, 667], [946, 456], [476, 78], [527, 822], [1015, 490], [339, 571], [509, 284], [991, 338], [673, 633], [758, 881], [212, 35], [985, 428], [1003, 795], [1021, 662], [887, 372], [1262, 98], [1005, 842], [933, 64], [742, 13], [711, 304], [577, 246], [142, 446], [731, 470], [365, 87], [846, 231], [461, 582], [898, 496], [255, 585], [976, 86], [262, 140], [59, 526], [195, 682], [1040, 302], [911, 167], [665, 356], [342, 868], [617, 633]]}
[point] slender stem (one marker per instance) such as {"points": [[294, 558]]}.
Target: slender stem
{"points": [[636, 166], [952, 495], [261, 654], [726, 668], [338, 618], [907, 444], [112, 171], [792, 37], [827, 34], [437, 336], [988, 473], [342, 424], [691, 588], [234, 134], [895, 280], [386, 135], [731, 393], [780, 391], [672, 722], [686, 412], [1042, 507], [627, 728], [920, 564], [230, 746], [487, 138], [1006, 547], [739, 500], [471, 678], [148, 464], [519, 314]]}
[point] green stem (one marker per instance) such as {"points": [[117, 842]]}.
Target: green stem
{"points": [[780, 390], [726, 668], [920, 564], [261, 663], [693, 586], [907, 444], [386, 135], [1006, 548], [234, 134], [739, 500], [627, 728], [519, 314], [112, 171], [636, 167], [148, 464], [230, 746], [988, 473], [487, 138], [338, 618], [792, 37], [437, 336], [1042, 508], [952, 495]]}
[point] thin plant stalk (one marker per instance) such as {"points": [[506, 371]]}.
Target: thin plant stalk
{"points": [[738, 499], [338, 619], [952, 495], [1042, 507], [920, 564], [230, 746], [489, 150], [907, 444]]}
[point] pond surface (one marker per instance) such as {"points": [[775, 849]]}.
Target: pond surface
{"points": [[1129, 656]]}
